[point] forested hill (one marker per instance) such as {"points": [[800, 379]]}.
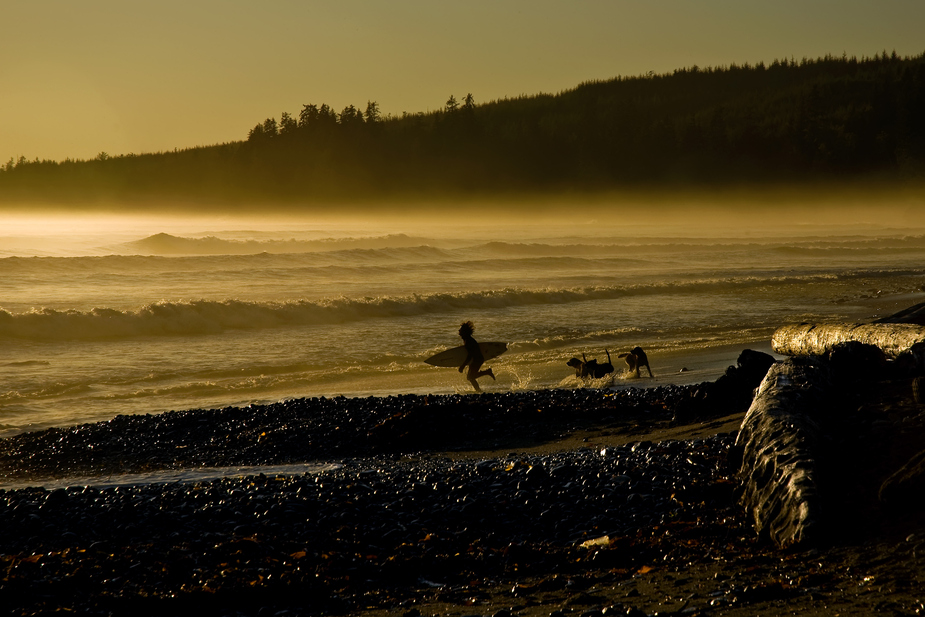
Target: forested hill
{"points": [[789, 121]]}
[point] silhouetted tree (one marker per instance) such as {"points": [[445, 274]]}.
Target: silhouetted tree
{"points": [[256, 133], [287, 124], [351, 116], [308, 116], [326, 115], [372, 111]]}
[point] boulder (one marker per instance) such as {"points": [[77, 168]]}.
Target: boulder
{"points": [[731, 393], [854, 361]]}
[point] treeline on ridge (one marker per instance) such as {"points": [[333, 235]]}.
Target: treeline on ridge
{"points": [[823, 119]]}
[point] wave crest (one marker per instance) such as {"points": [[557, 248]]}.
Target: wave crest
{"points": [[166, 244], [203, 317]]}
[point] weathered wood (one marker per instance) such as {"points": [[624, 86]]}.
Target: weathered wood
{"points": [[906, 486], [779, 438], [819, 339]]}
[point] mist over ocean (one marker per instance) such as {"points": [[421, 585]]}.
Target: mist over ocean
{"points": [[100, 317]]}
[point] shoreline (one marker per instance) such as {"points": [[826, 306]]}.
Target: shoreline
{"points": [[326, 430], [581, 501], [703, 365]]}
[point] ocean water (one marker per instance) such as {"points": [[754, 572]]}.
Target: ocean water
{"points": [[108, 315]]}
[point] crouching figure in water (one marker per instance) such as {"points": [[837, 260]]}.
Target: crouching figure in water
{"points": [[474, 357]]}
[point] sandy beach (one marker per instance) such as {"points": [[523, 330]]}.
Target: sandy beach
{"points": [[576, 502]]}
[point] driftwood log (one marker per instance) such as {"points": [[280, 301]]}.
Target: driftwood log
{"points": [[779, 440], [807, 339]]}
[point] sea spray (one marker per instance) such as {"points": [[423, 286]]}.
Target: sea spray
{"points": [[182, 318]]}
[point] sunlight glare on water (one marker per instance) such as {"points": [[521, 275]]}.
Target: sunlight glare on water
{"points": [[112, 314]]}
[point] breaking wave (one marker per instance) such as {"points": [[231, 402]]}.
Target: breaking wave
{"points": [[166, 244], [204, 317]]}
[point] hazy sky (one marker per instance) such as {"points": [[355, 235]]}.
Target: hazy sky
{"points": [[78, 77]]}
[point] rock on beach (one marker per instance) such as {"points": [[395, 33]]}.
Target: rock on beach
{"points": [[581, 501]]}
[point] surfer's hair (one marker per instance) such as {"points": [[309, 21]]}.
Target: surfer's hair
{"points": [[466, 329]]}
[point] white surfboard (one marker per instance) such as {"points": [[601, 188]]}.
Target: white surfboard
{"points": [[452, 358]]}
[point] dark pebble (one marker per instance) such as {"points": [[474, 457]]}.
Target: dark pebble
{"points": [[387, 522]]}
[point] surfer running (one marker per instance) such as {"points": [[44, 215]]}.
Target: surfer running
{"points": [[474, 357]]}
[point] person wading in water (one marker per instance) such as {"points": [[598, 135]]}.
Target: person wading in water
{"points": [[474, 357]]}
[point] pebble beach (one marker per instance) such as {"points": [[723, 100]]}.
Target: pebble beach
{"points": [[586, 501]]}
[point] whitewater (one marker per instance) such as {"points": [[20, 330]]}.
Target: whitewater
{"points": [[109, 315]]}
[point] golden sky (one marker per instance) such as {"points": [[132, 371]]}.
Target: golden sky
{"points": [[78, 77]]}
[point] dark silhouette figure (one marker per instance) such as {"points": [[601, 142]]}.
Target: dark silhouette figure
{"points": [[636, 359], [585, 368], [474, 357]]}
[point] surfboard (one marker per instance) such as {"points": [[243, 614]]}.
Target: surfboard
{"points": [[457, 355]]}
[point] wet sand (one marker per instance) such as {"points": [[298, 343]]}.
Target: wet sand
{"points": [[581, 502]]}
